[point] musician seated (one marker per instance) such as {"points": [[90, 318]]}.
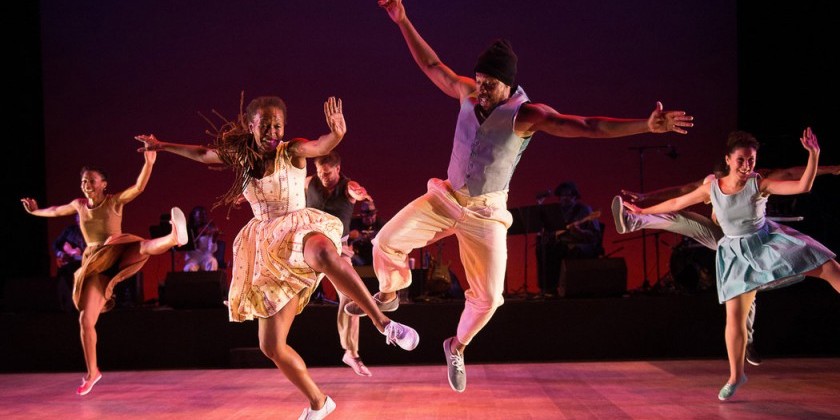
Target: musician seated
{"points": [[203, 236], [363, 228], [573, 232], [69, 247]]}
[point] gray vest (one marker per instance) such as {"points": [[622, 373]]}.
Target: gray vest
{"points": [[336, 204], [484, 156]]}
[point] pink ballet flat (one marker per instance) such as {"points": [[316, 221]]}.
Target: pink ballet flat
{"points": [[87, 386]]}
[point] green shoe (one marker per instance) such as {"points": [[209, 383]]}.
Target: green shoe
{"points": [[728, 390]]}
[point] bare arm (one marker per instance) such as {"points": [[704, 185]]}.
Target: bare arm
{"points": [[699, 195], [662, 194], [540, 117], [301, 148], [31, 207], [585, 232], [806, 181], [357, 192], [442, 76], [133, 191], [796, 172], [201, 154]]}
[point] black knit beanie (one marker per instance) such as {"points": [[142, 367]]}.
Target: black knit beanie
{"points": [[498, 61]]}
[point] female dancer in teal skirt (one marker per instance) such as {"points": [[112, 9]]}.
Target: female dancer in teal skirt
{"points": [[755, 253]]}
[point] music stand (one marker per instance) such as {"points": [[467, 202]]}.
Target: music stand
{"points": [[534, 219], [165, 228]]}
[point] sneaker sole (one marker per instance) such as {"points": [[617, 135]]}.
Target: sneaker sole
{"points": [[356, 310], [617, 207], [179, 221], [414, 343], [348, 311]]}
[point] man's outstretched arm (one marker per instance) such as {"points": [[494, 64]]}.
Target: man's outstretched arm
{"points": [[426, 58], [788, 174], [535, 117]]}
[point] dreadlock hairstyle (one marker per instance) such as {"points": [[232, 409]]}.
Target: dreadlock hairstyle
{"points": [[236, 147]]}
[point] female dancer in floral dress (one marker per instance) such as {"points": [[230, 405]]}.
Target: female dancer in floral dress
{"points": [[282, 253]]}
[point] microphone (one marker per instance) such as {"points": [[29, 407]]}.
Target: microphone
{"points": [[543, 194], [671, 152]]}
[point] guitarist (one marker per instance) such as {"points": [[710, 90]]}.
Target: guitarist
{"points": [[579, 236], [69, 247]]}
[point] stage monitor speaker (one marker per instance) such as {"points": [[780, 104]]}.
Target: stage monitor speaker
{"points": [[593, 277], [129, 292], [194, 289], [33, 294]]}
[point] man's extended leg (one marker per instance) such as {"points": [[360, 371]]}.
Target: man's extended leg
{"points": [[686, 223], [482, 241]]}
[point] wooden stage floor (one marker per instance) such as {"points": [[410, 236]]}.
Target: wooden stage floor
{"points": [[795, 388]]}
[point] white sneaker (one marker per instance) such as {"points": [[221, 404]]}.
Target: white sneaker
{"points": [[618, 211], [310, 414], [357, 365], [401, 335], [179, 223]]}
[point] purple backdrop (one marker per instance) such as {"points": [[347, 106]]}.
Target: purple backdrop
{"points": [[112, 70]]}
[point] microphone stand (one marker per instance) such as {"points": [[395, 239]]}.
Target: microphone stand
{"points": [[541, 243], [524, 289], [641, 150]]}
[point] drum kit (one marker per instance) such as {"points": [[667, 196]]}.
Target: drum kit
{"points": [[692, 267]]}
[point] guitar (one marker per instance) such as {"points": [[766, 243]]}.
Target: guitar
{"points": [[62, 259], [67, 255], [438, 279], [591, 216]]}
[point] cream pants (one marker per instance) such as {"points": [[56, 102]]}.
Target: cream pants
{"points": [[480, 224]]}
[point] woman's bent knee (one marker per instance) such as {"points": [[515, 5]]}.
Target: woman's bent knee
{"points": [[272, 351], [86, 321]]}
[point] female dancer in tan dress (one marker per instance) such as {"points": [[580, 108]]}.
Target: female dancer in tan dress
{"points": [[280, 256], [111, 256]]}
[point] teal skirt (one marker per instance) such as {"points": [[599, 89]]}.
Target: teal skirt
{"points": [[774, 256]]}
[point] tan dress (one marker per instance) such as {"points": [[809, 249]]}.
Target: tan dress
{"points": [[268, 264], [109, 252]]}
